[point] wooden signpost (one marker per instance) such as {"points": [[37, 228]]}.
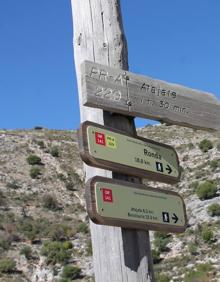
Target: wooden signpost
{"points": [[136, 95], [124, 255], [99, 37], [112, 149], [123, 204]]}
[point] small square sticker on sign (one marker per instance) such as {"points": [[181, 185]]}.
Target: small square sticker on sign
{"points": [[100, 138], [111, 141], [107, 195]]}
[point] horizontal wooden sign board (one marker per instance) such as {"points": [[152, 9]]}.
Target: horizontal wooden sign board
{"points": [[111, 149], [124, 204], [124, 92]]}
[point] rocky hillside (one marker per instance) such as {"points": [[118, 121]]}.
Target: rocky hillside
{"points": [[44, 232]]}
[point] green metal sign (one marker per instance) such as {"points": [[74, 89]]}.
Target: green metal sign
{"points": [[133, 205], [111, 149]]}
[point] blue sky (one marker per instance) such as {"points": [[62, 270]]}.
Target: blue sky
{"points": [[176, 41]]}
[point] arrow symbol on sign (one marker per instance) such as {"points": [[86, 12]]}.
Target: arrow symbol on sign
{"points": [[169, 169], [175, 218]]}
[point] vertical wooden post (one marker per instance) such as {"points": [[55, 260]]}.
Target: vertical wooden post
{"points": [[120, 255]]}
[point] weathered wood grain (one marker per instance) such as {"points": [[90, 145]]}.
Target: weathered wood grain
{"points": [[134, 156], [136, 95], [99, 37], [156, 202]]}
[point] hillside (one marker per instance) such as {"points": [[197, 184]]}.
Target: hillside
{"points": [[44, 232]]}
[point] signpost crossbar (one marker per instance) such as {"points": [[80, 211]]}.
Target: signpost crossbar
{"points": [[136, 95]]}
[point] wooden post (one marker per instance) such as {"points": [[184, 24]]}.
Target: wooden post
{"points": [[119, 254]]}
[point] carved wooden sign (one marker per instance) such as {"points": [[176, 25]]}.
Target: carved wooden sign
{"points": [[130, 94], [129, 205], [114, 150]]}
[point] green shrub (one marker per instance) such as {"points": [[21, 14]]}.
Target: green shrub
{"points": [[161, 235], [161, 244], [60, 232], [216, 181], [70, 272], [35, 172], [2, 199], [57, 232], [28, 228], [55, 252], [89, 248], [50, 202], [192, 248], [196, 276], [201, 173], [26, 251], [205, 145], [34, 160], [204, 267], [207, 235], [41, 144], [61, 176], [214, 164], [200, 274], [156, 256], [33, 229], [161, 277], [182, 171], [83, 228], [161, 240], [4, 244], [6, 217], [185, 158], [73, 181], [67, 245], [13, 184], [214, 209], [206, 190], [54, 151], [7, 265], [70, 185], [194, 185], [190, 146]]}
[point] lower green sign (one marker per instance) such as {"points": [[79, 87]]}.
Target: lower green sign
{"points": [[129, 205]]}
